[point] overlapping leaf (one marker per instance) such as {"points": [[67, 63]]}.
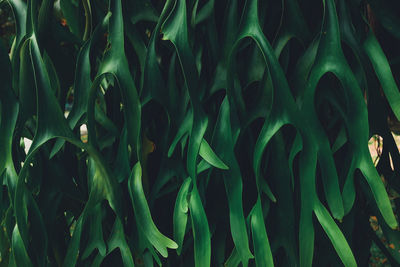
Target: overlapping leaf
{"points": [[236, 127]]}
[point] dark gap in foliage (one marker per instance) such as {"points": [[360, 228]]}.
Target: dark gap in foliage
{"points": [[212, 106], [113, 101], [109, 219], [213, 103], [34, 177], [154, 122], [351, 58], [218, 240], [7, 25], [129, 221], [360, 237], [329, 93], [187, 259], [355, 9], [397, 204], [324, 252], [356, 66], [388, 166], [217, 202], [164, 52], [384, 165], [113, 259], [105, 132], [241, 63], [280, 257], [220, 8], [134, 64], [251, 94], [250, 64], [163, 207], [278, 177], [389, 45], [342, 159], [244, 154], [28, 128], [74, 17], [144, 30], [296, 193], [99, 10], [319, 184], [18, 153], [313, 13], [296, 49], [218, 209], [370, 215], [284, 58], [289, 133], [251, 133], [207, 55], [241, 6], [63, 54], [270, 16], [97, 52]]}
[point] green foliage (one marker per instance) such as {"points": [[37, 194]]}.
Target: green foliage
{"points": [[218, 132]]}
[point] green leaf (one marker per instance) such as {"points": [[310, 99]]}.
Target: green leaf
{"points": [[181, 214], [209, 155], [383, 72], [201, 232], [20, 255], [262, 250], [117, 240], [335, 235], [143, 216]]}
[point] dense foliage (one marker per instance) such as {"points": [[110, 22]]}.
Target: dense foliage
{"points": [[218, 132]]}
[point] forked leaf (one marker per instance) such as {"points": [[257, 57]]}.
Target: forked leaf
{"points": [[175, 29], [117, 240], [224, 145], [143, 216], [284, 93]]}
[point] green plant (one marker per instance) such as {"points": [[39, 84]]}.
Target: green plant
{"points": [[228, 132]]}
